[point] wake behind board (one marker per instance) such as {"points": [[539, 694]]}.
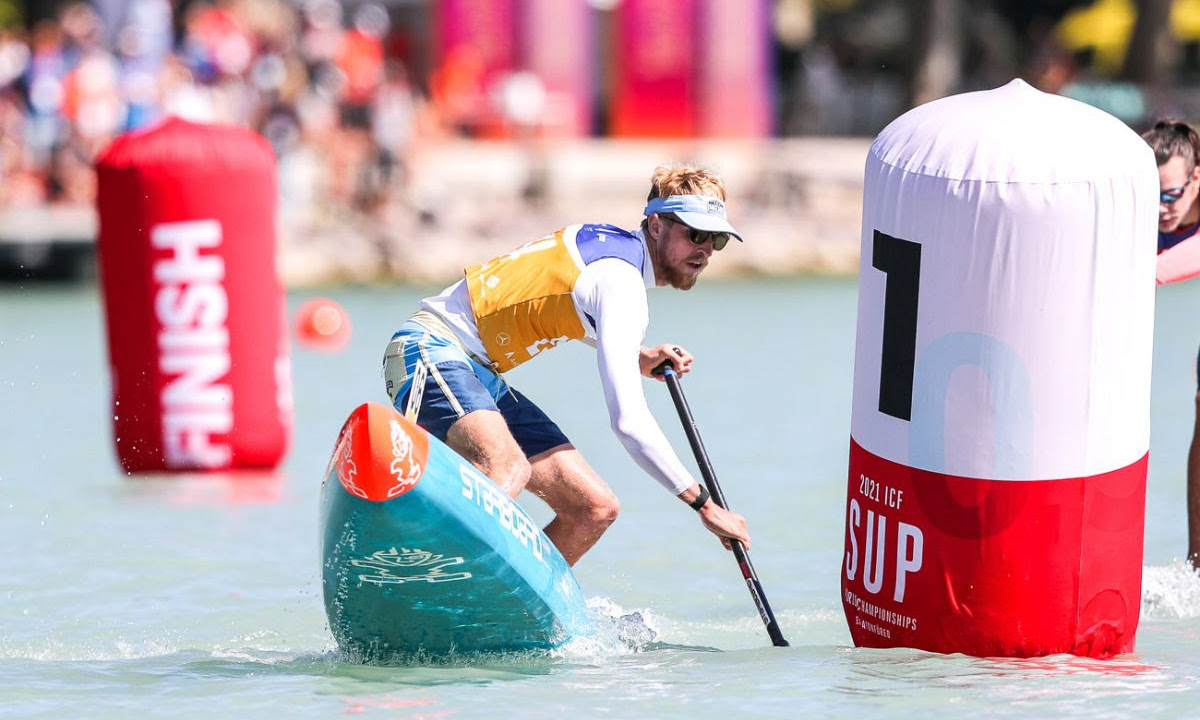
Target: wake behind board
{"points": [[421, 552]]}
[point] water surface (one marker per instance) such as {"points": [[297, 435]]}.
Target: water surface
{"points": [[200, 596]]}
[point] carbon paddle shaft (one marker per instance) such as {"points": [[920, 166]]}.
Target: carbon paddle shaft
{"points": [[714, 489]]}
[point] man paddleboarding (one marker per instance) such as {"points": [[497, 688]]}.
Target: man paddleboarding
{"points": [[583, 282]]}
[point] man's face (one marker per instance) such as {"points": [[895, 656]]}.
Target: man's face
{"points": [[1173, 175], [680, 261]]}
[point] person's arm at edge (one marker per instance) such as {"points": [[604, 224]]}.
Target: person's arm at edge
{"points": [[1179, 262], [621, 320]]}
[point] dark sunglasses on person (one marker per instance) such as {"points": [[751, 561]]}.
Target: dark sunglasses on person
{"points": [[1172, 195], [699, 237]]}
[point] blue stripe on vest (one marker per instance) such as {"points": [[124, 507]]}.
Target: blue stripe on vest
{"points": [[604, 241], [609, 241]]}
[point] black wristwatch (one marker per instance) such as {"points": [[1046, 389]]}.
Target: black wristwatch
{"points": [[700, 499]]}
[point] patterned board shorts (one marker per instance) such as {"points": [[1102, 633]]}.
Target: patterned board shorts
{"points": [[456, 383]]}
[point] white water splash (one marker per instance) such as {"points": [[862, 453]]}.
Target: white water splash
{"points": [[618, 632], [1172, 591]]}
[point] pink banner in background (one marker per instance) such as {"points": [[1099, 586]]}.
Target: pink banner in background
{"points": [[733, 93], [476, 48], [654, 69], [559, 46]]}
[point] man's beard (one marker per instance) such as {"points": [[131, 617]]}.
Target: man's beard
{"points": [[677, 279]]}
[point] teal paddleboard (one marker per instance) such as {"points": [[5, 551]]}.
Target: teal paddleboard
{"points": [[422, 553]]}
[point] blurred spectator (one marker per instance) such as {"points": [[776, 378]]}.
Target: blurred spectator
{"points": [[457, 89], [1053, 68], [92, 103], [142, 43], [14, 55], [43, 83], [394, 127], [360, 59]]}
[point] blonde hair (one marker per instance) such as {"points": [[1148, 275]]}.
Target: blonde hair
{"points": [[683, 179]]}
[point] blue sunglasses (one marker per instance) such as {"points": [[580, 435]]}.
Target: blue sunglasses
{"points": [[1171, 196]]}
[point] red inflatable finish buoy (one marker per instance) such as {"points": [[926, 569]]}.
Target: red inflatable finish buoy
{"points": [[194, 308]]}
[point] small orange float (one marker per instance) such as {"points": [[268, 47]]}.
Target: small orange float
{"points": [[322, 324]]}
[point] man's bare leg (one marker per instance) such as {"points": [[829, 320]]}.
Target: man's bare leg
{"points": [[483, 438], [1193, 491], [583, 504]]}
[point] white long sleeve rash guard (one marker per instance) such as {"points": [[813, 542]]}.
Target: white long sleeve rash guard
{"points": [[611, 292]]}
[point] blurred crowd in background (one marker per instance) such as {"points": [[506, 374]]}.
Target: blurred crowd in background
{"points": [[356, 88], [304, 77]]}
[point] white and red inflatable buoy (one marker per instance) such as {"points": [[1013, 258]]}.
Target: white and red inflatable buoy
{"points": [[1001, 408], [197, 333]]}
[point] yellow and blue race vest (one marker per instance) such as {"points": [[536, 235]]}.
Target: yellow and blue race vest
{"points": [[522, 299]]}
